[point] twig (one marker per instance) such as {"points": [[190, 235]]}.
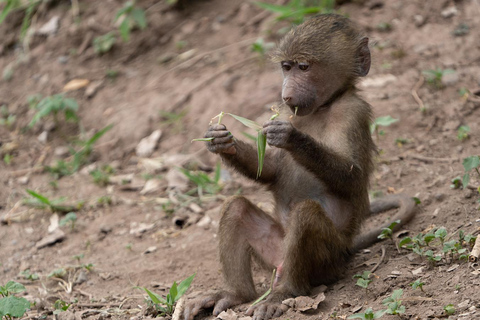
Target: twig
{"points": [[415, 94], [475, 254], [205, 82], [379, 262], [431, 159], [96, 305]]}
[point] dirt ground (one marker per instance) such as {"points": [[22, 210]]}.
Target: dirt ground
{"points": [[139, 229]]}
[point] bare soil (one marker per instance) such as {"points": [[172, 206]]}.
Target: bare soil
{"points": [[153, 238]]}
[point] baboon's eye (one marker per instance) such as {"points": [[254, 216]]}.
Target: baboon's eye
{"points": [[303, 66], [286, 66]]}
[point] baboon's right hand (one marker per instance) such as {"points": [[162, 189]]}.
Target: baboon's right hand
{"points": [[223, 141]]}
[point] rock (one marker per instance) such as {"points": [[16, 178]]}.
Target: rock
{"points": [[419, 20], [204, 222], [23, 180], [195, 208], [81, 277], [449, 12], [54, 219], [176, 180], [379, 81], [148, 144], [63, 59], [450, 79], [43, 137], [93, 88], [137, 230], [435, 213], [418, 271], [151, 186], [439, 197], [62, 152], [49, 28], [464, 304], [57, 236], [150, 250]]}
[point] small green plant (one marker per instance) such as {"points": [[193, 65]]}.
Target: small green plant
{"points": [[470, 164], [296, 10], [394, 303], [434, 76], [363, 280], [456, 183], [261, 47], [53, 105], [167, 305], [78, 257], [10, 305], [400, 142], [6, 119], [432, 258], [42, 202], [69, 219], [80, 157], [203, 181], [449, 309], [102, 175], [88, 266], [61, 306], [173, 120], [132, 17], [381, 122], [27, 275], [462, 133], [7, 159], [417, 284], [57, 273], [368, 315], [388, 231], [103, 44], [29, 7], [384, 27]]}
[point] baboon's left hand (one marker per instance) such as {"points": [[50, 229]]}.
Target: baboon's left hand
{"points": [[278, 133]]}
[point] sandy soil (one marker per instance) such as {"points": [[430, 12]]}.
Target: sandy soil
{"points": [[144, 232]]}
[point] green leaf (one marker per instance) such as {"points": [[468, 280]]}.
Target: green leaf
{"points": [[13, 306], [99, 134], [441, 233], [184, 285], [363, 283], [261, 146], [385, 121], [173, 292], [154, 297], [470, 163], [14, 287], [417, 200], [125, 30], [404, 241], [126, 9], [274, 8], [397, 294], [39, 197], [246, 122], [138, 16]]}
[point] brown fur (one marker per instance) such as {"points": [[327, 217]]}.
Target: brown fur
{"points": [[318, 172]]}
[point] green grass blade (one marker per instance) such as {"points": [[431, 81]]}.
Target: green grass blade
{"points": [[246, 122], [155, 297], [99, 134], [261, 146], [202, 139], [38, 196], [183, 286]]}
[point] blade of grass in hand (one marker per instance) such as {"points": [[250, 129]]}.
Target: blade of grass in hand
{"points": [[203, 139], [261, 146], [263, 296], [246, 122]]}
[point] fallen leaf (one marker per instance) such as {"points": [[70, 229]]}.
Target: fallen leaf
{"points": [[76, 84]]}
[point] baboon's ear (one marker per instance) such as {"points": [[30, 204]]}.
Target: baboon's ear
{"points": [[363, 57]]}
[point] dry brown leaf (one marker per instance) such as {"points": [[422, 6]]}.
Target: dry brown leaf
{"points": [[76, 84]]}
